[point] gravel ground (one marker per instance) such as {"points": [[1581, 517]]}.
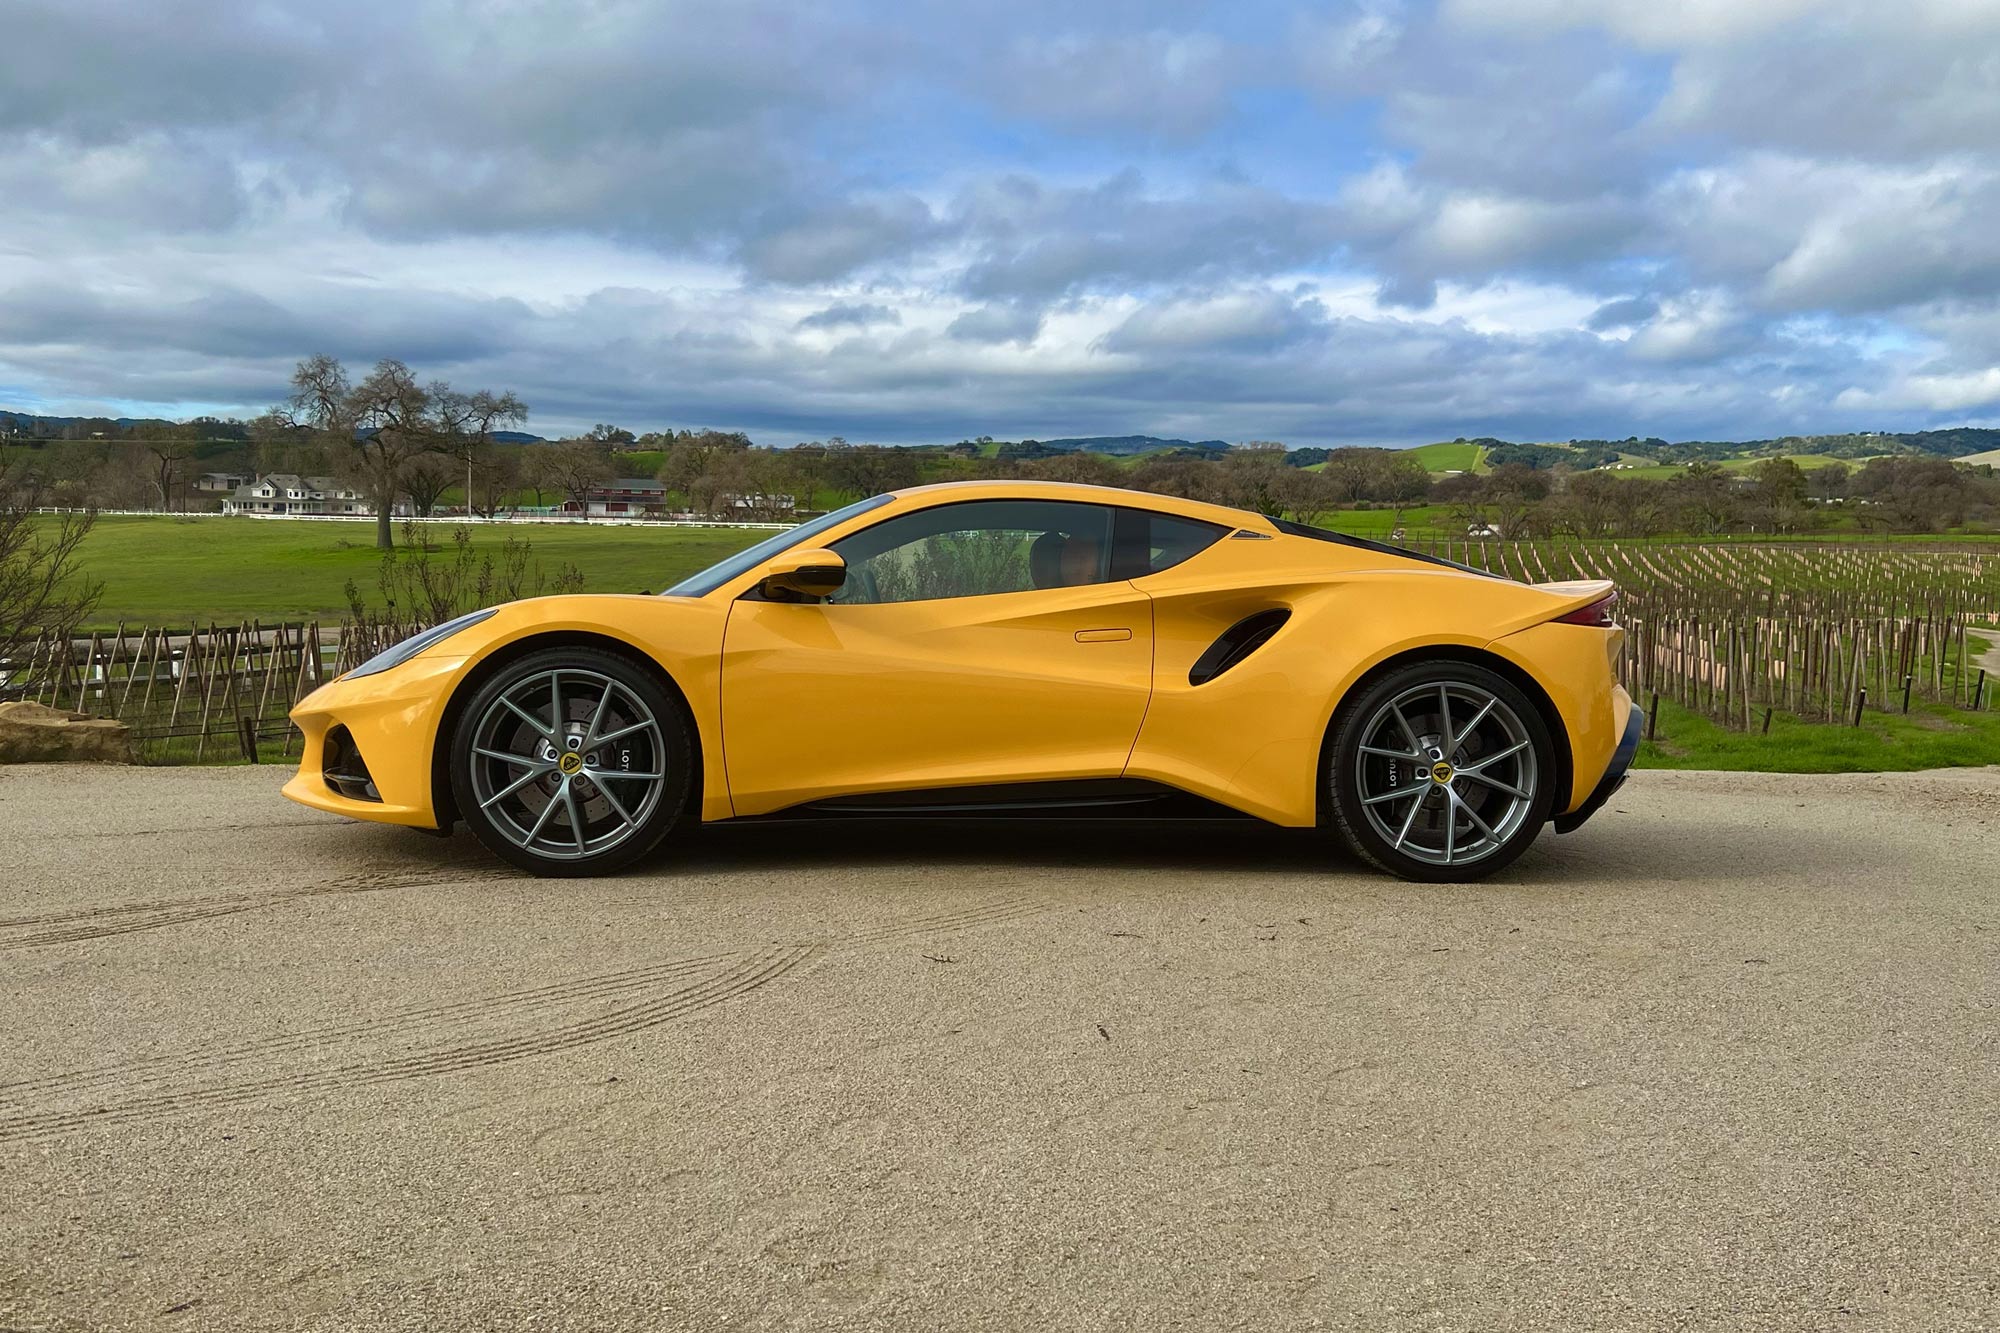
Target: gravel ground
{"points": [[1724, 1059]]}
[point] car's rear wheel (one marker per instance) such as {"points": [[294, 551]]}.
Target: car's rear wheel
{"points": [[572, 761], [1440, 771]]}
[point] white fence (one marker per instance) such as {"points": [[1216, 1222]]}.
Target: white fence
{"points": [[566, 520]]}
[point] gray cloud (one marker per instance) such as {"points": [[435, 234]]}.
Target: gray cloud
{"points": [[997, 322], [1031, 240], [850, 314]]}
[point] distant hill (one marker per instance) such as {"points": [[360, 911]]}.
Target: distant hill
{"points": [[1960, 442], [1123, 445], [63, 423]]}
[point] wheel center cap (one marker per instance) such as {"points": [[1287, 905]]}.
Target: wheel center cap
{"points": [[1441, 772], [570, 764]]}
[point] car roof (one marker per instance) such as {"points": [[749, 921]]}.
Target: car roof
{"points": [[997, 488]]}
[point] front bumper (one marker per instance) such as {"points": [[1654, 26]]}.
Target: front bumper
{"points": [[1614, 776], [393, 720]]}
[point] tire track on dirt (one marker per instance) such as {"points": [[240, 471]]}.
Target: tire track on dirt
{"points": [[994, 913], [430, 1040], [747, 974], [395, 1023], [89, 923]]}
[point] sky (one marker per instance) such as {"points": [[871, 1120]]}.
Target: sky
{"points": [[1345, 223]]}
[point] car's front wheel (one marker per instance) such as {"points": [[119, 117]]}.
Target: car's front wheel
{"points": [[572, 761], [1440, 771]]}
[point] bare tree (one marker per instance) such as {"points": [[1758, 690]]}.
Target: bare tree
{"points": [[388, 421], [694, 453], [575, 468], [1254, 474], [171, 448], [42, 587], [495, 474], [1307, 496], [427, 477]]}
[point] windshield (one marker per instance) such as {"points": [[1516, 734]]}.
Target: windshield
{"points": [[716, 575]]}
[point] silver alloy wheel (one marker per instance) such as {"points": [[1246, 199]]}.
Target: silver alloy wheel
{"points": [[1446, 773], [568, 763]]}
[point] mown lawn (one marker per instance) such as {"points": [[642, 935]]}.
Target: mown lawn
{"points": [[170, 571], [1931, 736]]}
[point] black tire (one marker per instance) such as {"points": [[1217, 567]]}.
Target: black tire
{"points": [[560, 809], [1502, 770]]}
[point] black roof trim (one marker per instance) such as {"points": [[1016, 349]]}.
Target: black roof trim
{"points": [[1380, 548]]}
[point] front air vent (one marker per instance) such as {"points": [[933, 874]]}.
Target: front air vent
{"points": [[344, 769], [1237, 642]]}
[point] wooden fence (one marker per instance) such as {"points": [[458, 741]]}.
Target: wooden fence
{"points": [[189, 694]]}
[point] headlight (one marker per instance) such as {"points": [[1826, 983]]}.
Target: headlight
{"points": [[417, 643]]}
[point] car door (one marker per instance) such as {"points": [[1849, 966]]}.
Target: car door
{"points": [[977, 642]]}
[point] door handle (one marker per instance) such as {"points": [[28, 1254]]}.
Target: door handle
{"points": [[1103, 635]]}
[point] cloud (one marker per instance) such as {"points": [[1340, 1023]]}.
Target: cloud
{"points": [[1948, 393], [997, 322], [832, 242], [1797, 234], [850, 314], [1252, 319], [1623, 313], [1154, 83], [1027, 239]]}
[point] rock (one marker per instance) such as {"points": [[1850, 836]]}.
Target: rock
{"points": [[32, 734]]}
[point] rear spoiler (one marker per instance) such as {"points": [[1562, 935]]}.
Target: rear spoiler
{"points": [[1592, 602]]}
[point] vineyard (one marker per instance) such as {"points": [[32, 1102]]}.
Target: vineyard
{"points": [[1736, 632]]}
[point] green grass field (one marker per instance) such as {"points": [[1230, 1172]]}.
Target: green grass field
{"points": [[172, 571], [1448, 456], [175, 570], [1668, 471], [1930, 737]]}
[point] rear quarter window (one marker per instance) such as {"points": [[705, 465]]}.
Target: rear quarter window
{"points": [[1171, 540]]}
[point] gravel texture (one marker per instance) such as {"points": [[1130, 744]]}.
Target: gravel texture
{"points": [[1727, 1058]]}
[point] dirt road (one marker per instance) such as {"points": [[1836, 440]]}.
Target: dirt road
{"points": [[1727, 1058]]}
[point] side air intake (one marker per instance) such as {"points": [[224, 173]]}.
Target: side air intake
{"points": [[1237, 642]]}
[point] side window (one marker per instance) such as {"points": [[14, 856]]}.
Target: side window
{"points": [[976, 549], [1171, 540]]}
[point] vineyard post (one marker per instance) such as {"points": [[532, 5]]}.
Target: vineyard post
{"points": [[1907, 678], [1860, 702], [83, 677]]}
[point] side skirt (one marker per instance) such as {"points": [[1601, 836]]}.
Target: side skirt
{"points": [[1079, 798]]}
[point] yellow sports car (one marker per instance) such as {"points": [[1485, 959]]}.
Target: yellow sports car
{"points": [[990, 648]]}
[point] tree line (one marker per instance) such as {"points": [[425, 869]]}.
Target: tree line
{"points": [[1774, 497], [401, 440]]}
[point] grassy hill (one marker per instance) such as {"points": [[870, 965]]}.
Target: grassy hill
{"points": [[1450, 456], [1640, 470]]}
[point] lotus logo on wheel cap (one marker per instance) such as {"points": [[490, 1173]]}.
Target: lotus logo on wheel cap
{"points": [[570, 763], [1441, 771]]}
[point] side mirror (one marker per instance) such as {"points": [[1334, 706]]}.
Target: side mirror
{"points": [[813, 572]]}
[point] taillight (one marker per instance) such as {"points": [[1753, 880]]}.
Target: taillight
{"points": [[1599, 614]]}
